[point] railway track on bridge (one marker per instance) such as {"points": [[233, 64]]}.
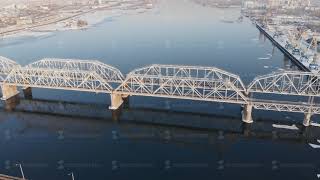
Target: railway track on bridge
{"points": [[164, 81]]}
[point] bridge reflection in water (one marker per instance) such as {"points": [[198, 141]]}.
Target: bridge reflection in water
{"points": [[73, 129], [163, 119], [166, 81]]}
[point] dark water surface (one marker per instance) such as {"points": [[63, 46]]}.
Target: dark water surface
{"points": [[154, 138]]}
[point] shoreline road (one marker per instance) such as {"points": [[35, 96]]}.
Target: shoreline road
{"points": [[40, 24]]}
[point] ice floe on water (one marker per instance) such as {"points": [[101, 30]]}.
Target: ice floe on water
{"points": [[269, 56], [264, 58], [315, 146], [315, 124], [281, 126]]}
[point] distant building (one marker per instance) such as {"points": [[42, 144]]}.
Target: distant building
{"points": [[25, 20], [21, 6], [274, 3], [253, 4], [15, 7], [82, 23], [294, 4], [97, 2], [248, 4], [313, 8], [10, 7], [44, 7]]}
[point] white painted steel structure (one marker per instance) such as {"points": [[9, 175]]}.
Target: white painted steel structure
{"points": [[58, 79], [168, 81], [6, 65], [185, 82], [78, 75], [287, 83], [105, 71]]}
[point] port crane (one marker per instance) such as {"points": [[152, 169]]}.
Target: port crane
{"points": [[302, 35], [296, 41], [314, 45], [306, 49], [292, 42]]}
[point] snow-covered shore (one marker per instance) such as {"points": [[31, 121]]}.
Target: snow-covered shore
{"points": [[91, 18]]}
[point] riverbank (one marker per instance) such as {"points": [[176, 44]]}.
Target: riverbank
{"points": [[87, 18]]}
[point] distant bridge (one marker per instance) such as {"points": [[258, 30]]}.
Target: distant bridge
{"points": [[167, 81]]}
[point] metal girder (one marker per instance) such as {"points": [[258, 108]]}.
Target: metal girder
{"points": [[6, 65], [108, 73], [287, 83], [185, 82], [58, 79], [285, 106], [170, 81]]}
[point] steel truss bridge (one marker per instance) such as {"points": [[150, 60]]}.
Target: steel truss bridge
{"points": [[167, 81]]}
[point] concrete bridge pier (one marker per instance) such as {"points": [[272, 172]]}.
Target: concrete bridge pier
{"points": [[118, 100], [247, 113], [27, 92], [10, 95], [307, 119]]}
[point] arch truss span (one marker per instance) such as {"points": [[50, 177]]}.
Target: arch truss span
{"points": [[58, 79], [6, 65], [185, 82], [287, 83], [106, 72]]}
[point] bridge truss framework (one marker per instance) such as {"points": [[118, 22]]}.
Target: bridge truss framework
{"points": [[168, 81]]}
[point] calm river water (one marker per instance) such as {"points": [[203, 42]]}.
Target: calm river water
{"points": [[61, 131]]}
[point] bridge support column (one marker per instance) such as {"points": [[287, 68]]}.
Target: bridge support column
{"points": [[307, 118], [27, 92], [247, 113], [9, 91], [117, 100], [10, 95]]}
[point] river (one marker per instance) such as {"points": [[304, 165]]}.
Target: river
{"points": [[62, 131]]}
